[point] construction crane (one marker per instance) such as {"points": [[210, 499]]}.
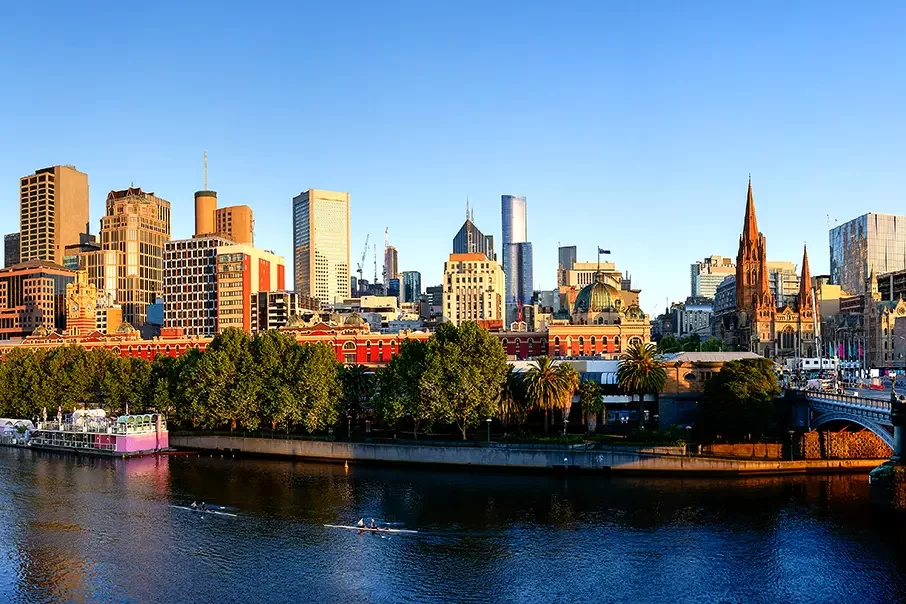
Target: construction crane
{"points": [[364, 254], [375, 263], [386, 245]]}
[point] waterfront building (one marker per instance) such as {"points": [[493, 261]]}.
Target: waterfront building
{"points": [[53, 206], [272, 309], [470, 240], [517, 255], [209, 282], [32, 295], [321, 244], [706, 275], [130, 262], [412, 286], [871, 242], [10, 249], [759, 323], [473, 290]]}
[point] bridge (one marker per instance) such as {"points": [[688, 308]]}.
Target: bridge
{"points": [[871, 413]]}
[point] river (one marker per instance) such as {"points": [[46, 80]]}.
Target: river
{"points": [[88, 529]]}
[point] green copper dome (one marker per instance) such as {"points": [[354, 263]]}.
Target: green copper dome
{"points": [[596, 297]]}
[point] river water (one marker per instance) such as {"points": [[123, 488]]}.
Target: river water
{"points": [[86, 530]]}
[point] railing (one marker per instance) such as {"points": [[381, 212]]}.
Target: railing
{"points": [[848, 400], [118, 428]]}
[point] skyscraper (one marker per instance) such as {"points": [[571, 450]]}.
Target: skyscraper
{"points": [[133, 234], [517, 257], [10, 249], [412, 286], [321, 244], [706, 275], [871, 242], [53, 208], [390, 264], [235, 223], [473, 290], [470, 240], [566, 256]]}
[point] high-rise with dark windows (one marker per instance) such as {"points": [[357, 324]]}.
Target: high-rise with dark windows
{"points": [[517, 255]]}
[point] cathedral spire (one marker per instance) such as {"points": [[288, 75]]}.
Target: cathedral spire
{"points": [[805, 282], [750, 226]]}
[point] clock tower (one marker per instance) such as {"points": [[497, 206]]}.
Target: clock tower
{"points": [[81, 300]]}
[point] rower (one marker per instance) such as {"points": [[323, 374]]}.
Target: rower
{"points": [[373, 525], [361, 523], [194, 505], [203, 507]]}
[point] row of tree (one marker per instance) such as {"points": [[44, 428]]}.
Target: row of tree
{"points": [[459, 377], [691, 343]]}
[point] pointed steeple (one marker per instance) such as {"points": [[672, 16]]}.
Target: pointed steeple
{"points": [[805, 282], [750, 225]]}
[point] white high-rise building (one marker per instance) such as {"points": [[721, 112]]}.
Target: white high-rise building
{"points": [[473, 290], [517, 255], [321, 245], [708, 274]]}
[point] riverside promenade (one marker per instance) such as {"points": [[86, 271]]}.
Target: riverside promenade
{"points": [[586, 457]]}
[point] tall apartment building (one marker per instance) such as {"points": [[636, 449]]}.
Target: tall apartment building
{"points": [[209, 282], [391, 264], [235, 223], [10, 249], [870, 243], [412, 286], [321, 245], [53, 207], [273, 309], [32, 295], [783, 278], [473, 290], [706, 275], [130, 263], [517, 255]]}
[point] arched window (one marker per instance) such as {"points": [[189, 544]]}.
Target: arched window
{"points": [[349, 346], [556, 340], [593, 343], [690, 377], [504, 342], [616, 341], [581, 342], [604, 341], [635, 341]]}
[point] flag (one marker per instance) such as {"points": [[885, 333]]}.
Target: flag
{"points": [[603, 251]]}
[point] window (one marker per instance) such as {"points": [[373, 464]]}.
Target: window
{"points": [[349, 346]]}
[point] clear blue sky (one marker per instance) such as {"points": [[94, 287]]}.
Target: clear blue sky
{"points": [[629, 125]]}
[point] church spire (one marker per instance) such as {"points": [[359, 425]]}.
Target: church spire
{"points": [[805, 282], [750, 226]]}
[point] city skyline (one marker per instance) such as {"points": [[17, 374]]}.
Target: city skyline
{"points": [[669, 166]]}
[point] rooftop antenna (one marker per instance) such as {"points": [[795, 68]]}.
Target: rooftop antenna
{"points": [[467, 207], [205, 170]]}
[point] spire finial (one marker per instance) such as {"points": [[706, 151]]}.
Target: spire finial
{"points": [[467, 207]]}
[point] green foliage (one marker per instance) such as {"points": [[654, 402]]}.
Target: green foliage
{"points": [[739, 402], [399, 391], [641, 371], [514, 406], [465, 370], [712, 345], [590, 397], [692, 343]]}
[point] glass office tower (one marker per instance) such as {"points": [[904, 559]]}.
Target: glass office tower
{"points": [[872, 242], [517, 255]]}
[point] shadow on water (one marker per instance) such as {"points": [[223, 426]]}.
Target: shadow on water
{"points": [[85, 529]]}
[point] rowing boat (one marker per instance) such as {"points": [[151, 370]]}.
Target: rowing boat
{"points": [[366, 529], [207, 511]]}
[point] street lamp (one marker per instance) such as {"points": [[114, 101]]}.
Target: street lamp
{"points": [[792, 432], [349, 427], [489, 429], [565, 424]]}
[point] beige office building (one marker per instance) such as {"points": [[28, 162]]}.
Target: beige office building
{"points": [[235, 223], [53, 211], [130, 263], [321, 245], [473, 290]]}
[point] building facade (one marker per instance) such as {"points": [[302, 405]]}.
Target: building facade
{"points": [[391, 264], [706, 275], [692, 317], [273, 309], [53, 207], [130, 263], [517, 255], [473, 290], [412, 286], [871, 242], [10, 249], [236, 224], [32, 295], [759, 324], [566, 258], [321, 244], [470, 240]]}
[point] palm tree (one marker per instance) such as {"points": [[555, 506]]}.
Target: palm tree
{"points": [[512, 407], [569, 383], [590, 400], [641, 372], [545, 386]]}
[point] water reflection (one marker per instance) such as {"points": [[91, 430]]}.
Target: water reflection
{"points": [[87, 529]]}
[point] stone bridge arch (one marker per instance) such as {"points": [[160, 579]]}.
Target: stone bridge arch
{"points": [[879, 430]]}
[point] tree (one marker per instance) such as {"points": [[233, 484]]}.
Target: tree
{"points": [[669, 343], [318, 386], [273, 352], [545, 388], [513, 407], [400, 390], [712, 345], [569, 384], [739, 401], [591, 402], [641, 371], [227, 382], [465, 370]]}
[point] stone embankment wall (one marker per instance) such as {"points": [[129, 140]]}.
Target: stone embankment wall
{"points": [[640, 460], [745, 451], [842, 445]]}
